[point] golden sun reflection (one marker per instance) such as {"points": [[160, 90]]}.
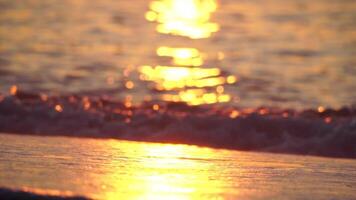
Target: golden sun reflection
{"points": [[168, 78], [187, 80], [162, 171], [188, 18], [198, 79], [182, 56], [197, 97]]}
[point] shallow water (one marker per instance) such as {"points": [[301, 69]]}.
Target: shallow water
{"points": [[114, 169], [295, 54]]}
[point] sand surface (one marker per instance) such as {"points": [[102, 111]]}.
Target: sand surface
{"points": [[114, 169]]}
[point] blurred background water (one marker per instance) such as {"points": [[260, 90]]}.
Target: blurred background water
{"points": [[295, 54]]}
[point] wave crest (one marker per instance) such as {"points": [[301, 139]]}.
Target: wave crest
{"points": [[325, 132]]}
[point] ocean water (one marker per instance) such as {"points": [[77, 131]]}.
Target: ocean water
{"points": [[114, 169], [259, 75], [294, 54]]}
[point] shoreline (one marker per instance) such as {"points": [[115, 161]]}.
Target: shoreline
{"points": [[109, 169], [69, 136], [321, 132]]}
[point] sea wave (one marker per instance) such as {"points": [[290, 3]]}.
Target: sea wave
{"points": [[322, 131], [36, 194]]}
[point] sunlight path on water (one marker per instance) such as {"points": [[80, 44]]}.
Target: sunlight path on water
{"points": [[191, 84]]}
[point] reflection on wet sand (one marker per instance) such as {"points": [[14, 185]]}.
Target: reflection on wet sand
{"points": [[113, 169], [193, 83], [162, 171]]}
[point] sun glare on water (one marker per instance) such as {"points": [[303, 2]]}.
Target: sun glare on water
{"points": [[186, 80], [182, 56], [192, 84], [188, 18]]}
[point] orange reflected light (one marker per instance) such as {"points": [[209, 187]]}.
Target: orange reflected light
{"points": [[220, 89], [43, 97], [188, 18], [197, 97], [194, 84], [169, 78], [13, 90], [58, 108], [182, 56], [321, 109], [129, 85], [263, 111], [161, 171], [234, 114], [155, 107], [86, 105], [128, 104]]}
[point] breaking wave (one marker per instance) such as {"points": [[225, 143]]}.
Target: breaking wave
{"points": [[324, 132], [35, 194]]}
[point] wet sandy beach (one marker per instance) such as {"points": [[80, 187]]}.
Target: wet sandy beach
{"points": [[113, 169]]}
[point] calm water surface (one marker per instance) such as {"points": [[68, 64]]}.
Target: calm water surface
{"points": [[295, 54], [113, 169]]}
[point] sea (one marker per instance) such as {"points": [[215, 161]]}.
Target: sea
{"points": [[106, 98]]}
